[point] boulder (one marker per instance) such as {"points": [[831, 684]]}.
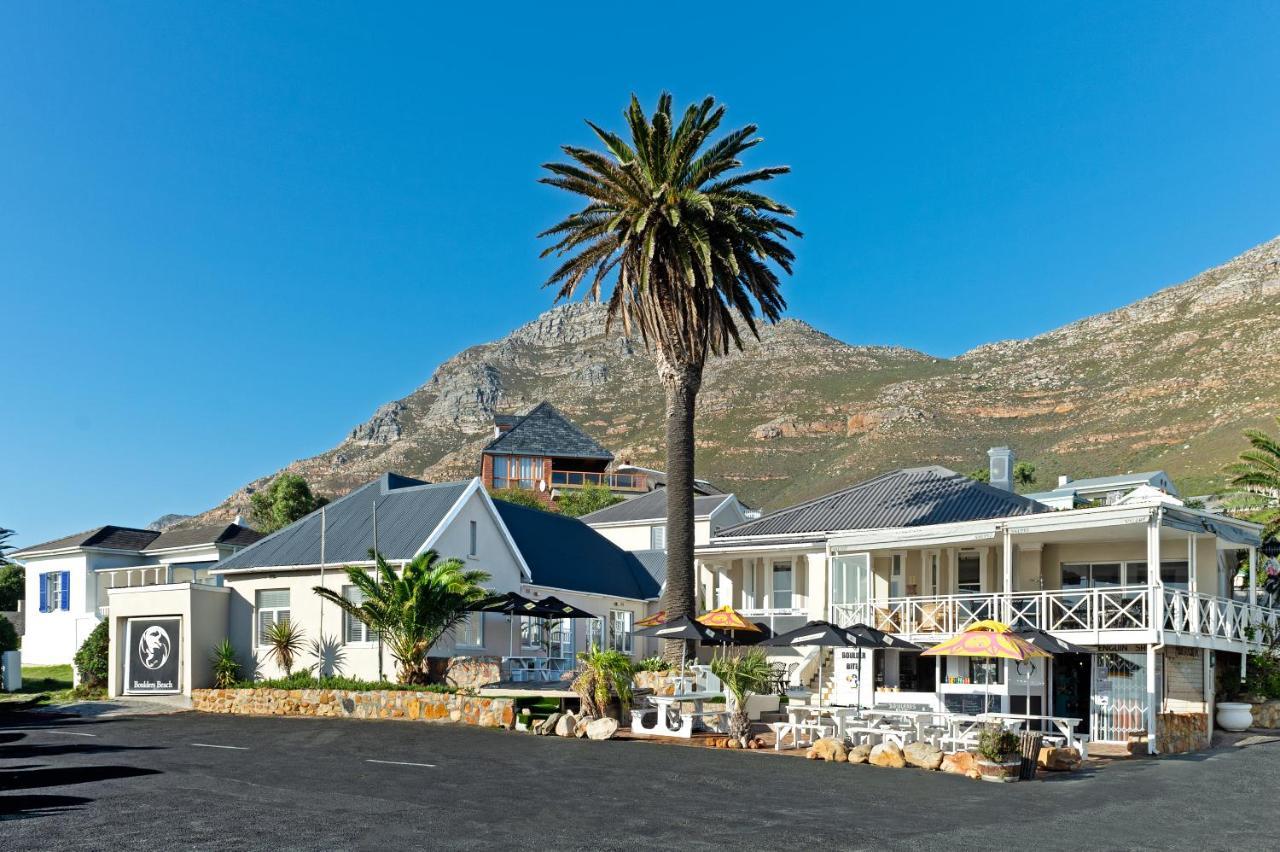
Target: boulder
{"points": [[859, 754], [566, 725], [602, 729], [828, 749], [887, 754], [580, 728], [960, 763], [1058, 759], [547, 726], [923, 755]]}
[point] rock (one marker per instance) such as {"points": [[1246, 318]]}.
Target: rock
{"points": [[580, 729], [960, 763], [887, 754], [859, 754], [733, 743], [923, 755], [566, 725], [828, 749], [547, 726], [1058, 759], [602, 729]]}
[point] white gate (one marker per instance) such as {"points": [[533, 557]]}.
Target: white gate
{"points": [[1119, 705]]}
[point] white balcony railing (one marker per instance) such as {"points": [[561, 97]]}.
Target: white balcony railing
{"points": [[778, 620], [1105, 610]]}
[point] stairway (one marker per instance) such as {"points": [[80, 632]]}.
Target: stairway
{"points": [[822, 692]]}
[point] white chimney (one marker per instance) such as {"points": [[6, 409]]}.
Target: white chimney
{"points": [[1064, 481], [1001, 467]]}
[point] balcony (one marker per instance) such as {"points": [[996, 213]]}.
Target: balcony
{"points": [[778, 620], [612, 481], [1103, 615]]}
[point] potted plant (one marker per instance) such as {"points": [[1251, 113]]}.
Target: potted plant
{"points": [[603, 683], [998, 758]]}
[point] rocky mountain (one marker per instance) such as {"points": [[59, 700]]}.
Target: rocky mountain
{"points": [[1167, 382]]}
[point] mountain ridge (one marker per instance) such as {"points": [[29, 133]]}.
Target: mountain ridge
{"points": [[1167, 381]]}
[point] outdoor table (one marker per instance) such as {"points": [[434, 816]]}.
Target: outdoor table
{"points": [[1065, 725], [665, 706]]}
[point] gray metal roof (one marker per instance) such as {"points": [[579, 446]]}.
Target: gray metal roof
{"points": [[651, 507], [544, 431], [655, 562], [109, 536], [1146, 477], [658, 479], [235, 535], [564, 553], [408, 511], [909, 497]]}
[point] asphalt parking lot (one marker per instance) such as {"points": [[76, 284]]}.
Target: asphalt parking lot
{"points": [[190, 780]]}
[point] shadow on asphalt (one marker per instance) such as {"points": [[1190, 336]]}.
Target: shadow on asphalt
{"points": [[29, 807]]}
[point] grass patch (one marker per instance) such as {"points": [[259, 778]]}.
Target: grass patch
{"points": [[51, 684]]}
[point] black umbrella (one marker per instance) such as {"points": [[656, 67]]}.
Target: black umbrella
{"points": [[824, 634], [512, 604], [883, 640], [680, 627], [1046, 641], [556, 608]]}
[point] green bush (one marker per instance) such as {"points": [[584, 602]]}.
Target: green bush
{"points": [[92, 658], [8, 636], [997, 744], [226, 669], [303, 680], [653, 664]]}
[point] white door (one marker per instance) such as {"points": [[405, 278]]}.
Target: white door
{"points": [[850, 587], [1119, 704]]}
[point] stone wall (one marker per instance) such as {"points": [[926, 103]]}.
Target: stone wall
{"points": [[408, 705], [1266, 714], [1181, 733], [473, 672]]}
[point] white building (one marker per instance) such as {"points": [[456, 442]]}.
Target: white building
{"points": [[67, 580]]}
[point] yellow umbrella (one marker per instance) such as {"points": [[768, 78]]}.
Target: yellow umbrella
{"points": [[991, 639], [726, 618], [659, 617]]}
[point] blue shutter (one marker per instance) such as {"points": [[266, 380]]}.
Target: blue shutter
{"points": [[66, 590], [44, 592]]}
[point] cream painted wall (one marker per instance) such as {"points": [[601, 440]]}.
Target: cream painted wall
{"points": [[203, 610], [638, 536]]}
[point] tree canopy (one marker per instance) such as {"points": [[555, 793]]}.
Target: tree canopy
{"points": [[1256, 477], [583, 501], [287, 499]]}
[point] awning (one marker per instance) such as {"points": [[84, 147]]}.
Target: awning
{"points": [[1220, 527]]}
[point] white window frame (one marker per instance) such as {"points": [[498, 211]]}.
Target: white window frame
{"points": [[982, 571], [619, 637], [275, 614], [658, 537], [53, 591], [898, 573], [355, 631], [535, 629], [595, 633], [474, 540], [473, 622], [773, 584]]}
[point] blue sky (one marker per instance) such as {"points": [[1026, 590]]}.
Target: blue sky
{"points": [[228, 232]]}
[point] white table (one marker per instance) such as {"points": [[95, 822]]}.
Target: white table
{"points": [[667, 706], [1066, 726]]}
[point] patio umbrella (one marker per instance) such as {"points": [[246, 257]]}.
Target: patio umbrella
{"points": [[990, 639], [509, 604], [823, 634], [1045, 641], [727, 618], [680, 627], [886, 640], [659, 617]]}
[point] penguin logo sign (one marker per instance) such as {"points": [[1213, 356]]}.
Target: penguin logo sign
{"points": [[154, 647]]}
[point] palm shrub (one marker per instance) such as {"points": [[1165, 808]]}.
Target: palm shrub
{"points": [[742, 676], [602, 676], [226, 668], [285, 641], [414, 609], [653, 664], [93, 658], [1256, 475], [690, 247]]}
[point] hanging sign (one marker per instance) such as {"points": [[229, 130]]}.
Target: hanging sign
{"points": [[153, 652]]}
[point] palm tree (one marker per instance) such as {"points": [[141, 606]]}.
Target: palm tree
{"points": [[603, 675], [1257, 475], [688, 247], [284, 642], [414, 609], [743, 677]]}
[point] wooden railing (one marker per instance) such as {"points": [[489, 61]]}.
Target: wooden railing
{"points": [[612, 481], [1103, 610]]}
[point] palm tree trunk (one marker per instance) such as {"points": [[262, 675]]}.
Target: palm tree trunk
{"points": [[680, 598]]}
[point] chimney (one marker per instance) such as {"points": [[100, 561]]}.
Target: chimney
{"points": [[1064, 481], [1001, 468]]}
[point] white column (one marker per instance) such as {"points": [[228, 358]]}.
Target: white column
{"points": [[1192, 585], [1006, 548], [1153, 575], [1253, 577], [1151, 699]]}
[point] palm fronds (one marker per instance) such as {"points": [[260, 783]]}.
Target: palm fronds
{"points": [[1256, 476]]}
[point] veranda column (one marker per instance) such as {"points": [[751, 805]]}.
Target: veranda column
{"points": [[1253, 579], [1007, 560], [1157, 623], [1193, 600]]}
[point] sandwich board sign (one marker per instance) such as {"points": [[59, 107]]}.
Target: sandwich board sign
{"points": [[153, 654]]}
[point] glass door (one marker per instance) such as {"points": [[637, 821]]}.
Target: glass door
{"points": [[850, 587]]}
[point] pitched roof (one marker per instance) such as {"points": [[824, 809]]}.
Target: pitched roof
{"points": [[235, 535], [651, 507], [564, 553], [545, 431], [1120, 479], [910, 497], [655, 562], [658, 479], [110, 537], [408, 511]]}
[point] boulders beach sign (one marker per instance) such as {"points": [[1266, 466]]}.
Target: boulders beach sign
{"points": [[153, 649]]}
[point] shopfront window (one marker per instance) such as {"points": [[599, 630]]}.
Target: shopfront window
{"points": [[968, 573]]}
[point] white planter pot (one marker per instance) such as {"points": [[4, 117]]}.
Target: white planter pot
{"points": [[1234, 715]]}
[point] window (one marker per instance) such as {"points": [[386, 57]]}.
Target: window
{"points": [[595, 633], [1174, 575], [55, 591], [271, 607], [470, 633], [472, 546], [501, 472], [969, 573], [620, 630], [530, 471], [895, 576], [782, 585], [985, 670], [560, 639], [658, 537], [1107, 575], [353, 629], [530, 632]]}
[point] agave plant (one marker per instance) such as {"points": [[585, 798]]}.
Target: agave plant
{"points": [[285, 641], [226, 668], [602, 675], [743, 676], [414, 609]]}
